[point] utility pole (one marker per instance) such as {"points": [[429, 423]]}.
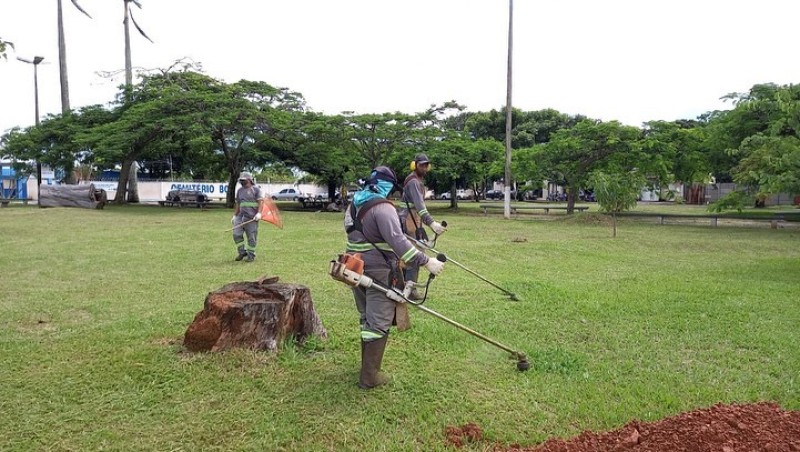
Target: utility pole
{"points": [[35, 63], [507, 203]]}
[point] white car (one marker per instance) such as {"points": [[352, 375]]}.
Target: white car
{"points": [[287, 194]]}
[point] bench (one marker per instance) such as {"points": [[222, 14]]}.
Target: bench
{"points": [[314, 202], [6, 201], [515, 209], [774, 220]]}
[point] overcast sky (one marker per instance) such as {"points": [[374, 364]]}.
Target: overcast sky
{"points": [[629, 60]]}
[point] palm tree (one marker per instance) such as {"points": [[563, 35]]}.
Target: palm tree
{"points": [[133, 186], [129, 14], [62, 56], [4, 45]]}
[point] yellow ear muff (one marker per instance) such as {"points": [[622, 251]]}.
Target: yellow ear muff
{"points": [[413, 165]]}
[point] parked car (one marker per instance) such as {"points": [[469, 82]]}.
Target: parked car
{"points": [[287, 194], [460, 194], [190, 196], [494, 194], [465, 194]]}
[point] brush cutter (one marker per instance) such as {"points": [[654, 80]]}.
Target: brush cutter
{"points": [[431, 248], [349, 269]]}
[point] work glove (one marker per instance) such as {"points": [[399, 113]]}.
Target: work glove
{"points": [[257, 217], [438, 228], [233, 220], [434, 266]]}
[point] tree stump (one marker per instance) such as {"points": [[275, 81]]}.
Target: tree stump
{"points": [[260, 315]]}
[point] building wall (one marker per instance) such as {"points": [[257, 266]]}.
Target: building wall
{"points": [[157, 191]]}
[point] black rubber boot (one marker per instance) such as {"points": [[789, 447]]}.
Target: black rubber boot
{"points": [[242, 254], [250, 257], [371, 376]]}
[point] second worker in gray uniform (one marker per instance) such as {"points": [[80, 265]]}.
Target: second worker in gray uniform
{"points": [[246, 217], [414, 213]]}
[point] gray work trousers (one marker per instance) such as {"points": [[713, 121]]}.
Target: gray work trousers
{"points": [[375, 309], [249, 229]]}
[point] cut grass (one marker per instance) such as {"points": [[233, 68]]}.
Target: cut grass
{"points": [[660, 320]]}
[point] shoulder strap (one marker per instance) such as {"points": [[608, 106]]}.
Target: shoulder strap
{"points": [[409, 178], [368, 205], [357, 214]]}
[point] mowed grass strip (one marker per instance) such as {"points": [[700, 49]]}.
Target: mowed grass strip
{"points": [[660, 320]]}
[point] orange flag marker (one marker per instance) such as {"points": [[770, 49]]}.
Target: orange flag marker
{"points": [[270, 212]]}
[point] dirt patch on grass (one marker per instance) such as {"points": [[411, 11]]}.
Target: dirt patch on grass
{"points": [[760, 426]]}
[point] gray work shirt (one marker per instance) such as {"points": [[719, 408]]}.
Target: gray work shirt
{"points": [[381, 226], [248, 198], [414, 197]]}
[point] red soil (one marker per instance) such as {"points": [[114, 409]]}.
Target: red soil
{"points": [[722, 428]]}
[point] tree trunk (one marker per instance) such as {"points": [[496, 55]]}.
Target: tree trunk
{"points": [[614, 224], [571, 195], [122, 184], [128, 65], [260, 315], [62, 62], [230, 196], [85, 196]]}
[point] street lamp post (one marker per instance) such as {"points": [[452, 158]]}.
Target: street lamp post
{"points": [[35, 63]]}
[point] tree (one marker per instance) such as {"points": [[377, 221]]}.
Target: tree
{"points": [[573, 154], [4, 46], [326, 151], [765, 126], [62, 56], [756, 111], [616, 192], [530, 127], [675, 152], [133, 191], [460, 161], [772, 164], [56, 141], [128, 17], [378, 136]]}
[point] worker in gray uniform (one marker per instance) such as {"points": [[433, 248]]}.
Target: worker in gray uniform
{"points": [[414, 213], [249, 199], [373, 229]]}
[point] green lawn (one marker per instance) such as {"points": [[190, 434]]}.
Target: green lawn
{"points": [[660, 320]]}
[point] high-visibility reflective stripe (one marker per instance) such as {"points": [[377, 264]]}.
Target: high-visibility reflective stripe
{"points": [[248, 204], [238, 244], [250, 248], [409, 255], [360, 247], [423, 212], [367, 335]]}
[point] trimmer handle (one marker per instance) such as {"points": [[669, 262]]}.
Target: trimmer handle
{"points": [[441, 258]]}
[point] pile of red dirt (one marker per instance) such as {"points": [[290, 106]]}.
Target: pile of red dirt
{"points": [[722, 428]]}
